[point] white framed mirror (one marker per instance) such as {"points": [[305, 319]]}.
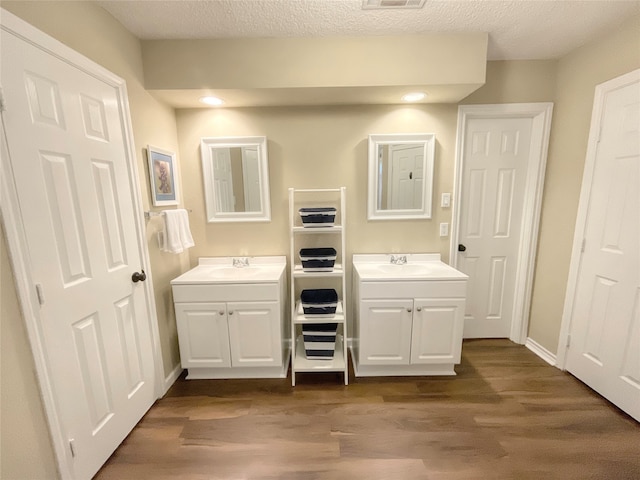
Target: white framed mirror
{"points": [[236, 179], [400, 176]]}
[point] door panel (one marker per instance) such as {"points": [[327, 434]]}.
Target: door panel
{"points": [[254, 334], [492, 203], [64, 131], [437, 328], [385, 332], [605, 320], [203, 334]]}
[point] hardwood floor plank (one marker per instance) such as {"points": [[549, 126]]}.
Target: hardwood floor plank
{"points": [[506, 415]]}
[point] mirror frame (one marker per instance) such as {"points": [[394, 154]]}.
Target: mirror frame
{"points": [[375, 140], [213, 214]]}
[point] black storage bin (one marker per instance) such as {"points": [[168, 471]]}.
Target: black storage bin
{"points": [[318, 259], [318, 216], [319, 340], [319, 301]]}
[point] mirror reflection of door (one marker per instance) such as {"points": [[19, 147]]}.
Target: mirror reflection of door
{"points": [[251, 176], [223, 179], [401, 176]]}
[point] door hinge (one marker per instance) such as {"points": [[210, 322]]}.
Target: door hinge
{"points": [[568, 341], [72, 448], [40, 293]]}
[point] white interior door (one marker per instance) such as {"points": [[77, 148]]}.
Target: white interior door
{"points": [[64, 131], [604, 351], [494, 177]]}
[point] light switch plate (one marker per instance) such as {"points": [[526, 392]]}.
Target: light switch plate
{"points": [[444, 229], [446, 200]]}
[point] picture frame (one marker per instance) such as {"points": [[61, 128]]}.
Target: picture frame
{"points": [[162, 176]]}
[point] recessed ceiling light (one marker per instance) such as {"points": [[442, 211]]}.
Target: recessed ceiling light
{"points": [[213, 101], [414, 97], [397, 4]]}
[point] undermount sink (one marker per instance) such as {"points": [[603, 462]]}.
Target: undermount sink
{"points": [[426, 266]]}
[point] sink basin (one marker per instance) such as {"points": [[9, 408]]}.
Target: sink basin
{"points": [[408, 269], [235, 272]]}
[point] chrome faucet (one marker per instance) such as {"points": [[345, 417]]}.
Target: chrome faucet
{"points": [[240, 262], [399, 259]]}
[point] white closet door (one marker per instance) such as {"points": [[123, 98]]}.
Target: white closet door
{"points": [[497, 154], [605, 321], [64, 131]]}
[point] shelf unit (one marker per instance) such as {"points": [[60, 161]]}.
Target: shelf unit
{"points": [[307, 237]]}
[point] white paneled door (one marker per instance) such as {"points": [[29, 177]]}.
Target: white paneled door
{"points": [[495, 164], [68, 152], [604, 301]]}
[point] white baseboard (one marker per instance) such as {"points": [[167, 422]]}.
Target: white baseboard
{"points": [[171, 378], [542, 352]]}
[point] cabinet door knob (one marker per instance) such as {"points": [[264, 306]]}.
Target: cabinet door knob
{"points": [[419, 309], [230, 312], [409, 310], [221, 312]]}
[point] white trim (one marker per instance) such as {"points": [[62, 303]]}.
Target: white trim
{"points": [[540, 351], [19, 254], [171, 378], [540, 113], [601, 92]]}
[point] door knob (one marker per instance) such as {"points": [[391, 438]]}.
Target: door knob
{"points": [[138, 276], [461, 248], [419, 309]]}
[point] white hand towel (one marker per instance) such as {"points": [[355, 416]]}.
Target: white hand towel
{"points": [[177, 234]]}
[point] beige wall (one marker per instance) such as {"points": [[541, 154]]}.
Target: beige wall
{"points": [[304, 62], [91, 31], [578, 74]]}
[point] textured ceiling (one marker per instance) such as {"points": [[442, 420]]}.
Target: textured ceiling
{"points": [[520, 29]]}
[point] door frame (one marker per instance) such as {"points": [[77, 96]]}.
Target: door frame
{"points": [[601, 92], [16, 237], [540, 114]]}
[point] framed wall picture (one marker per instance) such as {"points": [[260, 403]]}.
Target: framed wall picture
{"points": [[162, 176]]}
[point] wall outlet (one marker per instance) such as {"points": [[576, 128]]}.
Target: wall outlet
{"points": [[444, 229], [446, 200]]}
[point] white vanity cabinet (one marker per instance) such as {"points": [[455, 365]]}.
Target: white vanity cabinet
{"points": [[232, 321], [408, 319]]}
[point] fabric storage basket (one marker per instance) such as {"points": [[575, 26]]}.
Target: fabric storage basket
{"points": [[319, 301], [318, 216], [319, 340], [318, 259]]}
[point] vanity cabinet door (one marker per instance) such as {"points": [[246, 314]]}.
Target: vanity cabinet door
{"points": [[385, 332], [254, 334], [203, 334], [437, 330]]}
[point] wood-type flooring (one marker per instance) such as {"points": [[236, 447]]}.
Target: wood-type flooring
{"points": [[506, 415]]}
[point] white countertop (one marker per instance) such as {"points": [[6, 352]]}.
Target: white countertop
{"points": [[419, 267], [221, 270]]}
